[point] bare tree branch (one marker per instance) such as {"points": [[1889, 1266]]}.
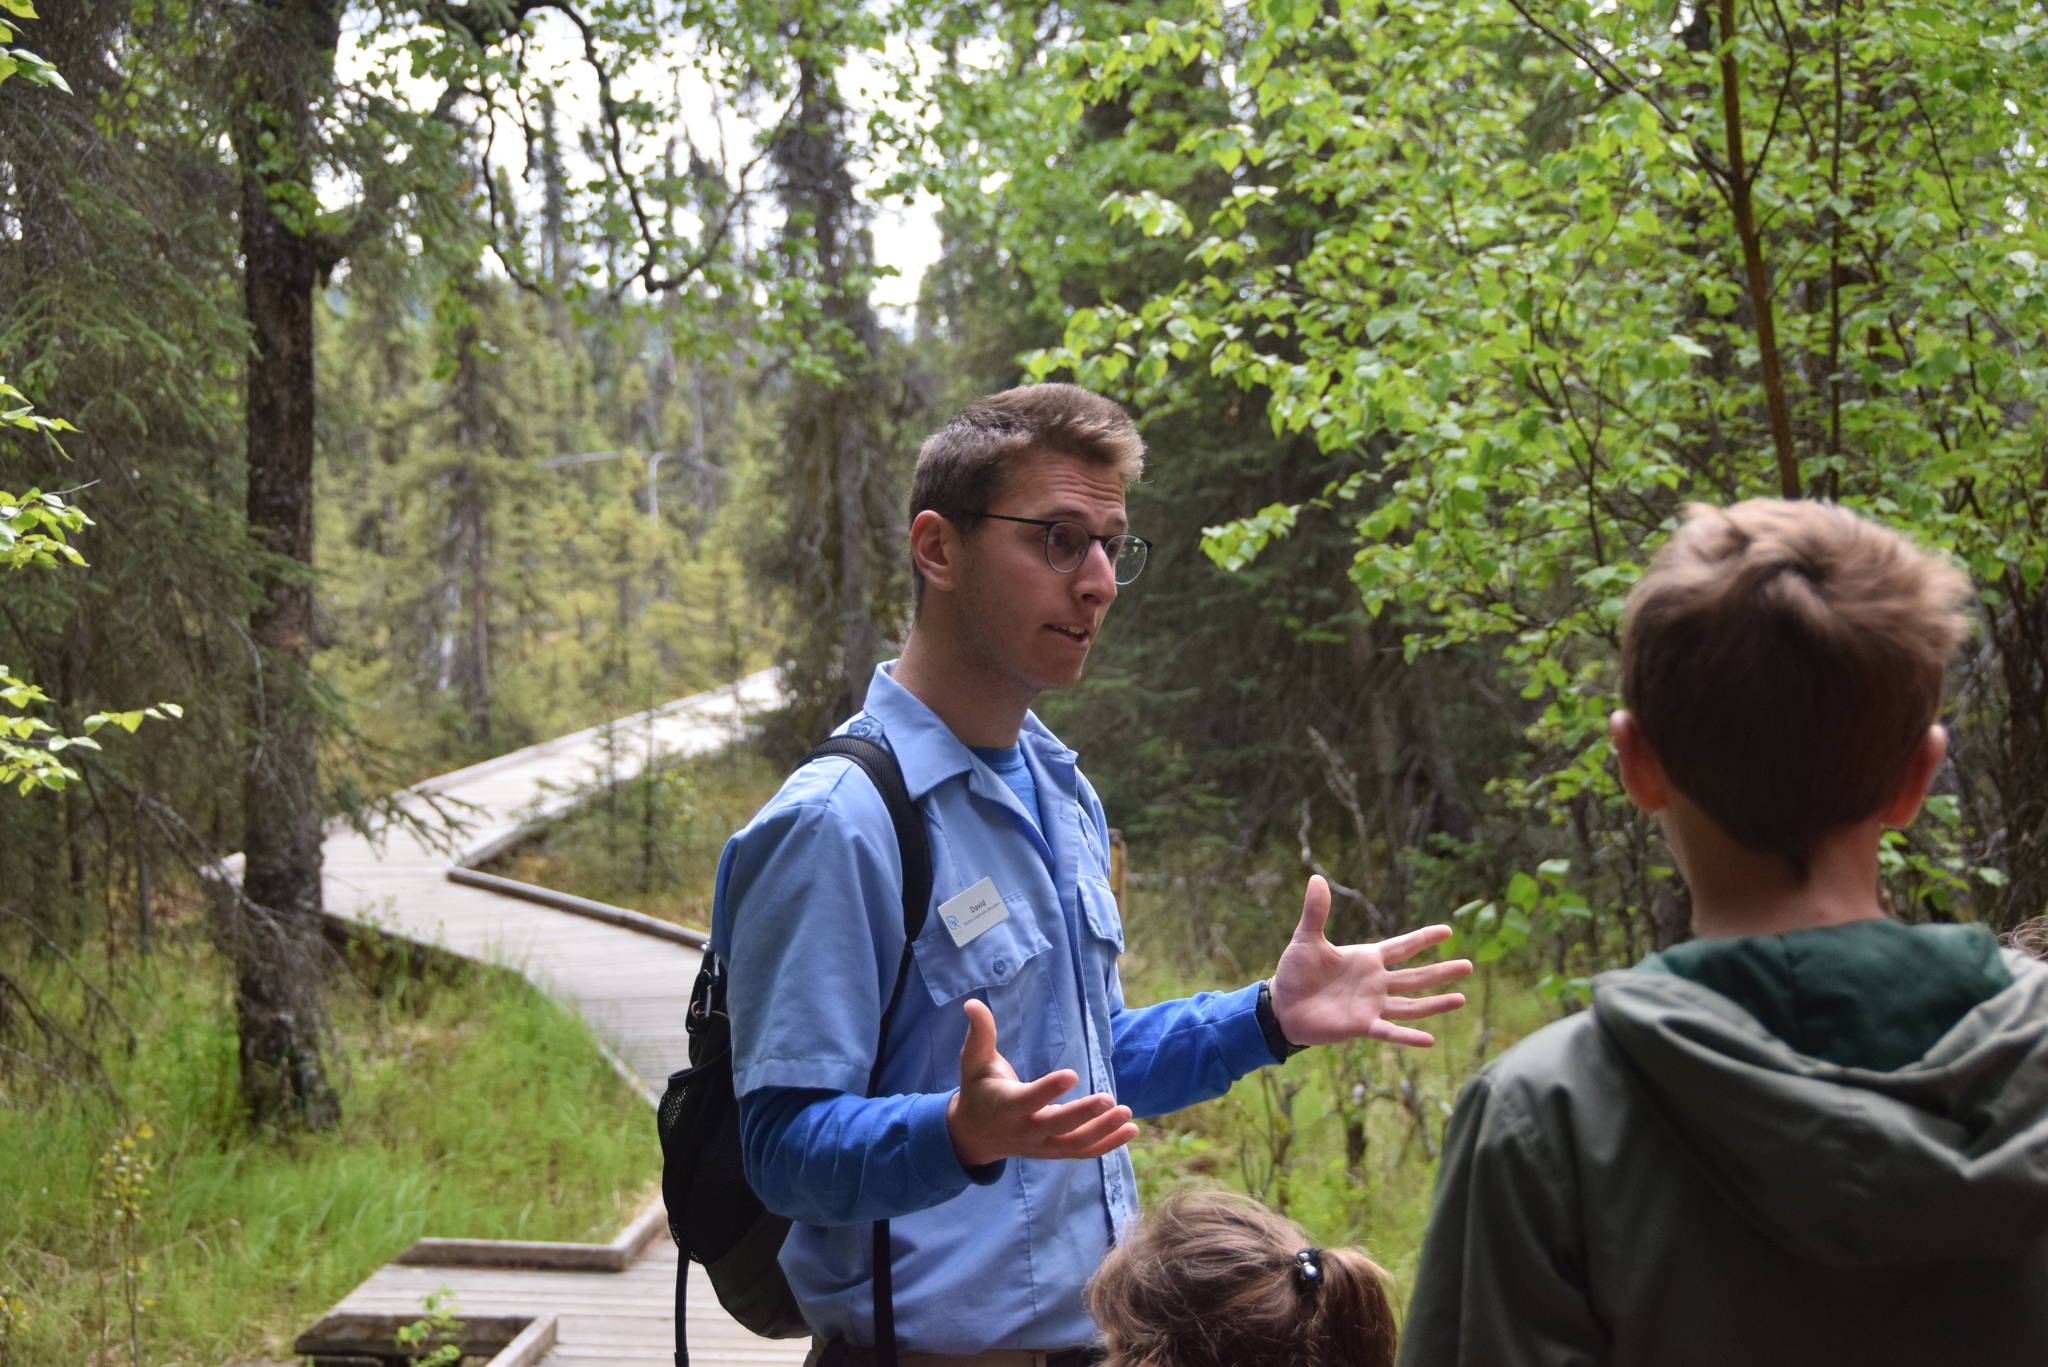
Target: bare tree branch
{"points": [[1763, 153], [87, 983], [1741, 183]]}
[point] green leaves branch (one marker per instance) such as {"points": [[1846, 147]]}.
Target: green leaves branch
{"points": [[19, 61], [34, 530], [1508, 289], [1532, 907]]}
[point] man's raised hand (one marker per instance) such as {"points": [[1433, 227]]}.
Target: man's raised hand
{"points": [[1325, 993], [993, 1115]]}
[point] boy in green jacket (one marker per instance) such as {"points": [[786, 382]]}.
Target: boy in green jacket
{"points": [[1811, 1134]]}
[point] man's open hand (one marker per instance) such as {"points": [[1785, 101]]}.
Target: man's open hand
{"points": [[993, 1115], [1325, 993]]}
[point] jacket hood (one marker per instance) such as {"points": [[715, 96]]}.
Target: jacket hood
{"points": [[1943, 1159]]}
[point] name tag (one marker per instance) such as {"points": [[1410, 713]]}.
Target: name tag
{"points": [[973, 911]]}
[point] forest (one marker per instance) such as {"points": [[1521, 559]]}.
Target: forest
{"points": [[386, 385]]}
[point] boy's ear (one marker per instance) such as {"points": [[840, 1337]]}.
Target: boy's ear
{"points": [[935, 549], [1918, 778], [1642, 773]]}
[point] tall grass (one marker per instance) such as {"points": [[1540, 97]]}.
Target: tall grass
{"points": [[475, 1108]]}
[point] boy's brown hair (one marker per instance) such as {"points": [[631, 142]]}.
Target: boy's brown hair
{"points": [[963, 467], [1216, 1280], [1784, 660]]}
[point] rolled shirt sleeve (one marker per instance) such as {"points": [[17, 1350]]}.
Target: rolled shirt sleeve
{"points": [[816, 930]]}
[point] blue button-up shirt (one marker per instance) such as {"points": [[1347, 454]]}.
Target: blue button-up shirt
{"points": [[808, 915]]}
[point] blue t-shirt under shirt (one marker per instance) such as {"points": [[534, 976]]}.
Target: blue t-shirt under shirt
{"points": [[1010, 767]]}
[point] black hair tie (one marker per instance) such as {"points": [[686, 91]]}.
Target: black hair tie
{"points": [[1308, 1265]]}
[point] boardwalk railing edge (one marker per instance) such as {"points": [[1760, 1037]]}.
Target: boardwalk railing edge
{"points": [[537, 1255], [624, 917]]}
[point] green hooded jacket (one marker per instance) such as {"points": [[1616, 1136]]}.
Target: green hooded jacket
{"points": [[1666, 1180]]}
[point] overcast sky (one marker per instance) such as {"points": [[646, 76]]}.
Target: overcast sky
{"points": [[905, 235]]}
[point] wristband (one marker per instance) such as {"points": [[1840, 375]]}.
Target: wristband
{"points": [[1269, 1025]]}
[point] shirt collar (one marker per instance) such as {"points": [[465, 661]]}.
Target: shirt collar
{"points": [[926, 748]]}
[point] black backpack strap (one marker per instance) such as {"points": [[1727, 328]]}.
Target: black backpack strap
{"points": [[887, 776], [682, 1294], [916, 855]]}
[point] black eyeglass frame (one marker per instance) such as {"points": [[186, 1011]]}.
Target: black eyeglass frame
{"points": [[1113, 545]]}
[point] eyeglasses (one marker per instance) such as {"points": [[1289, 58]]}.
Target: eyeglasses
{"points": [[1066, 546]]}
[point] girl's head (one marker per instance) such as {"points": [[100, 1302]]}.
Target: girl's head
{"points": [[1213, 1280]]}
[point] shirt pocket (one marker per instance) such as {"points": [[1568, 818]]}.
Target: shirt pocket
{"points": [[1104, 940], [1007, 966], [994, 958], [1098, 908]]}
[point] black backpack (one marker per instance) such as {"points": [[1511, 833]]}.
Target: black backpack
{"points": [[713, 1214]]}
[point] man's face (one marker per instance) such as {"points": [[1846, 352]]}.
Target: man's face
{"points": [[1023, 624]]}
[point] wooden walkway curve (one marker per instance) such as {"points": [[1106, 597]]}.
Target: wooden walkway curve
{"points": [[561, 1305]]}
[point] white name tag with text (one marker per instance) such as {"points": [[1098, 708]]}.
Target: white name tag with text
{"points": [[973, 911]]}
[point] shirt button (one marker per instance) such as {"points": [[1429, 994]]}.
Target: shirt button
{"points": [[1002, 967]]}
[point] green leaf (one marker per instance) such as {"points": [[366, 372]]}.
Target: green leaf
{"points": [[36, 71]]}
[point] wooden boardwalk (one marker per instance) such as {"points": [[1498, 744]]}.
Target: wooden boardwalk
{"points": [[629, 984]]}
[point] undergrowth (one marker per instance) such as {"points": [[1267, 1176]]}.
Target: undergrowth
{"points": [[1343, 1138], [153, 1225]]}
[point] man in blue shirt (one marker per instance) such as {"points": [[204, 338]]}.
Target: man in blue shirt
{"points": [[1002, 1197]]}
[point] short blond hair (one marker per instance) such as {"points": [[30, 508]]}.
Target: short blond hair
{"points": [[1784, 660], [1214, 1280]]}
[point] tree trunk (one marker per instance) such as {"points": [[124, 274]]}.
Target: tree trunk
{"points": [[2019, 635], [833, 429], [467, 549], [273, 935], [860, 639], [1742, 202]]}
